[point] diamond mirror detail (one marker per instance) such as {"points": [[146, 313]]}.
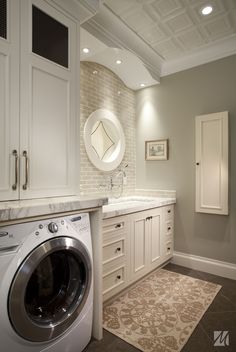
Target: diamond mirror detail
{"points": [[104, 140]]}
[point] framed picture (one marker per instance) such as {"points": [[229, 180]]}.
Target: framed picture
{"points": [[156, 150]]}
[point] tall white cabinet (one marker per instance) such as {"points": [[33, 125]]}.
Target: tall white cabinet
{"points": [[212, 163], [38, 101]]}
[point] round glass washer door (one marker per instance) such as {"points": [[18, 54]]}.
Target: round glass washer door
{"points": [[50, 289]]}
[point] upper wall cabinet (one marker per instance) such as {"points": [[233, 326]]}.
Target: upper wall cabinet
{"points": [[212, 163], [38, 90]]}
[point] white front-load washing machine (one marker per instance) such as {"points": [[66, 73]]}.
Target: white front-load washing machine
{"points": [[46, 285]]}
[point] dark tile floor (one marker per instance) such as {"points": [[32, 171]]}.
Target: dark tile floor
{"points": [[221, 316]]}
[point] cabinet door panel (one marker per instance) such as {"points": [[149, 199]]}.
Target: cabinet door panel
{"points": [[48, 113], [212, 163], [155, 233], [139, 247], [49, 137], [9, 105]]}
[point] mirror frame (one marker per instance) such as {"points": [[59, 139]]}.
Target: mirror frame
{"points": [[104, 115]]}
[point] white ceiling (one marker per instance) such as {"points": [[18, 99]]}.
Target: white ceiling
{"points": [[174, 28], [167, 35], [131, 71]]}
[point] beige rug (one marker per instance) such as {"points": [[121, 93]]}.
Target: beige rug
{"points": [[159, 313]]}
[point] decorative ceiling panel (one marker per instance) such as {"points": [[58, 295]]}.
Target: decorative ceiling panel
{"points": [[191, 39], [219, 27], [169, 48], [174, 27], [154, 34], [166, 8], [179, 23]]}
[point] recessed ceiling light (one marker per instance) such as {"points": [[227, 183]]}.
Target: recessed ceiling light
{"points": [[86, 50], [142, 85], [206, 10], [118, 62]]}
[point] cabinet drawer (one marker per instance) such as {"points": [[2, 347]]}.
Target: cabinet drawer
{"points": [[113, 250], [169, 212], [113, 279], [169, 227], [113, 229], [169, 248]]}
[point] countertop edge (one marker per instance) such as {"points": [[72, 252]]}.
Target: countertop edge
{"points": [[18, 210], [135, 209]]}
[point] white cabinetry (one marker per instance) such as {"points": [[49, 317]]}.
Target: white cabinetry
{"points": [[145, 247], [167, 240], [134, 245], [115, 253], [212, 163], [9, 100], [38, 114]]}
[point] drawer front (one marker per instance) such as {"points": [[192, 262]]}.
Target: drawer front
{"points": [[113, 250], [169, 227], [169, 248], [113, 280], [169, 212], [114, 229]]}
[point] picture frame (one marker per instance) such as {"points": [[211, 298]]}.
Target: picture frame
{"points": [[156, 149]]}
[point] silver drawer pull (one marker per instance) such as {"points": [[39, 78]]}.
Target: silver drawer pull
{"points": [[25, 185], [15, 154]]}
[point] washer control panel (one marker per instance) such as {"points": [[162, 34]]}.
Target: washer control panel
{"points": [[81, 222]]}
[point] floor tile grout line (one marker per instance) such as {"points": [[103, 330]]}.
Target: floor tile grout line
{"points": [[228, 299]]}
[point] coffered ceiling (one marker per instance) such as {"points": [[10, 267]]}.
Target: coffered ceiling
{"points": [[174, 28], [167, 35]]}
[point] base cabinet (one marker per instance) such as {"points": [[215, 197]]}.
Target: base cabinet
{"points": [[145, 249], [134, 245]]}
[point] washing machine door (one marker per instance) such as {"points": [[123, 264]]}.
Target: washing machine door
{"points": [[50, 289]]}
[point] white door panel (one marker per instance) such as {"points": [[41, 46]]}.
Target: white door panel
{"points": [[9, 104], [155, 233], [212, 163], [48, 120]]}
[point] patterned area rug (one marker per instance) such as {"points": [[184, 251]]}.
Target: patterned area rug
{"points": [[160, 312]]}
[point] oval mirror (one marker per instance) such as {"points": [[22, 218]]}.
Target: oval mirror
{"points": [[104, 140]]}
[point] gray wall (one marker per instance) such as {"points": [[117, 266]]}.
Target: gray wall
{"points": [[168, 111]]}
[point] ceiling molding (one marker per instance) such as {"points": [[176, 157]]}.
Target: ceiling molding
{"points": [[108, 28], [210, 53], [131, 70], [81, 10]]}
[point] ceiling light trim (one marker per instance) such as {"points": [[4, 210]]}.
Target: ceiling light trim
{"points": [[206, 10]]}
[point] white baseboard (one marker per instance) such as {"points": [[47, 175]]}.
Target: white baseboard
{"points": [[208, 265]]}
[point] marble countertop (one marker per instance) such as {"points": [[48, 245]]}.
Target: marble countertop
{"points": [[21, 209], [127, 205]]}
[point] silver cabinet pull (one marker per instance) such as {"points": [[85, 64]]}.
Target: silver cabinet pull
{"points": [[15, 154], [25, 185]]}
